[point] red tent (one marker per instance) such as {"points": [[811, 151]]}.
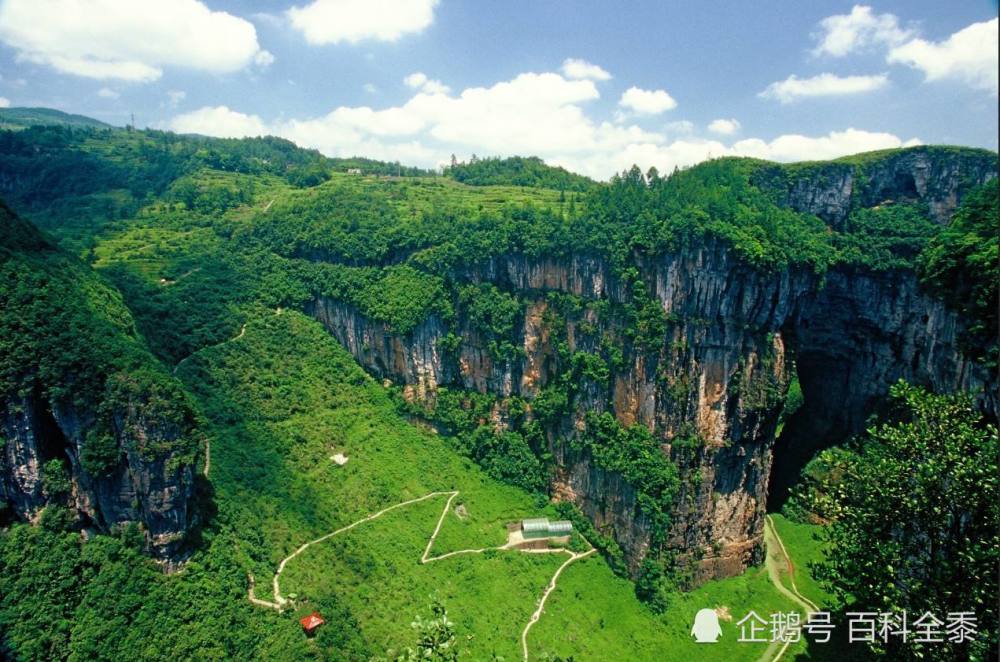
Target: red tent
{"points": [[311, 622]]}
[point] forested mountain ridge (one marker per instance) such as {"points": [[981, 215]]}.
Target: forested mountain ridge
{"points": [[628, 349], [89, 420], [22, 118]]}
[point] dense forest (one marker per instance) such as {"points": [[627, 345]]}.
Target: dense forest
{"points": [[516, 171], [188, 270]]}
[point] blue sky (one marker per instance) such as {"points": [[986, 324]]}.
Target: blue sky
{"points": [[594, 86]]}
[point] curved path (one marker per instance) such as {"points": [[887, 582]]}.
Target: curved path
{"points": [[776, 556], [573, 556], [280, 602], [208, 443], [243, 330]]}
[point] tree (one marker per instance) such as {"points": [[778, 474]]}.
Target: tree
{"points": [[917, 523], [435, 637]]}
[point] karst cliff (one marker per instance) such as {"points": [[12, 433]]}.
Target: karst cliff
{"points": [[88, 421], [711, 388]]}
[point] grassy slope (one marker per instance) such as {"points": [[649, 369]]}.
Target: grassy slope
{"points": [[593, 615], [283, 399]]}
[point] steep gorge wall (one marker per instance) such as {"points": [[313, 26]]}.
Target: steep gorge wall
{"points": [[855, 337], [155, 491], [735, 335], [721, 371]]}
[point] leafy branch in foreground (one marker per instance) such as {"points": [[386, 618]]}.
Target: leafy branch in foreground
{"points": [[917, 523], [435, 637]]}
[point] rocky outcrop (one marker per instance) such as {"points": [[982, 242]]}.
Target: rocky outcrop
{"points": [[152, 490], [21, 457], [831, 190]]}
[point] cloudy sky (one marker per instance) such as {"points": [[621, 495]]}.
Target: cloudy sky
{"points": [[594, 86]]}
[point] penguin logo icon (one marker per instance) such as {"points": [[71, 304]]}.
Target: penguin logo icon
{"points": [[706, 629]]}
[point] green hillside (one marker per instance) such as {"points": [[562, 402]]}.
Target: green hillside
{"points": [[21, 118]]}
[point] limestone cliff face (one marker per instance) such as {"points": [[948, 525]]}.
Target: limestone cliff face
{"points": [[721, 370], [155, 492], [88, 419], [832, 190], [719, 374]]}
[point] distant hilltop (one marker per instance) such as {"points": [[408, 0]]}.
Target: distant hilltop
{"points": [[20, 118]]}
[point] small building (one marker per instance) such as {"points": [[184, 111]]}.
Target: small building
{"points": [[311, 622], [354, 171], [543, 528], [560, 528]]}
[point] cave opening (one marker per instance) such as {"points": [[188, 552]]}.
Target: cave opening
{"points": [[823, 418], [904, 187], [51, 441], [795, 444]]}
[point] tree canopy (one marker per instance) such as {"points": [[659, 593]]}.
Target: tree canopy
{"points": [[917, 522]]}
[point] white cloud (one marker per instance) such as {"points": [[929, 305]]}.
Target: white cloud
{"points": [[219, 121], [435, 87], [176, 96], [4, 102], [646, 102], [969, 55], [420, 81], [127, 39], [724, 127], [370, 88], [107, 93], [543, 114], [794, 88], [679, 126], [794, 147], [334, 21], [263, 58], [415, 80], [581, 69], [847, 33]]}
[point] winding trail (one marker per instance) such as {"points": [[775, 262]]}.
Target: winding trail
{"points": [[243, 330], [775, 556], [279, 602], [208, 443], [811, 606], [167, 283], [573, 556]]}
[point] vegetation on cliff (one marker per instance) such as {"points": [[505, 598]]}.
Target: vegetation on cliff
{"points": [[962, 264]]}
